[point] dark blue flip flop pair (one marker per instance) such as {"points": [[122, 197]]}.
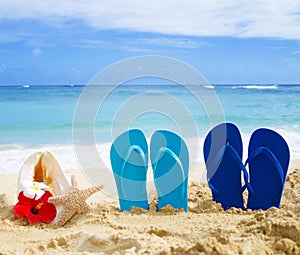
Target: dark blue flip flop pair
{"points": [[268, 160], [170, 163]]}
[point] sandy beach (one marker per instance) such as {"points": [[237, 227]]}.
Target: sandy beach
{"points": [[205, 229], [109, 104]]}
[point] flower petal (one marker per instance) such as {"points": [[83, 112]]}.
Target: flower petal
{"points": [[29, 193], [24, 200], [42, 185], [45, 197], [47, 212], [33, 217], [27, 184], [21, 210], [39, 194]]}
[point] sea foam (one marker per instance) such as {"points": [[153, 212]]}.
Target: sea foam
{"points": [[255, 87], [13, 156]]}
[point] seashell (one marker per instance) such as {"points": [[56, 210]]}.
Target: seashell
{"points": [[43, 167]]}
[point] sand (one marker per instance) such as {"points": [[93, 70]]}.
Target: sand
{"points": [[205, 229]]}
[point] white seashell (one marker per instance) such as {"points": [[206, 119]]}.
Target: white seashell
{"points": [[43, 167]]}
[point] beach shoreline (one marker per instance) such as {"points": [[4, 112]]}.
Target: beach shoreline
{"points": [[197, 175], [206, 228]]}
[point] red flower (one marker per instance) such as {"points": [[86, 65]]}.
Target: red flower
{"points": [[35, 210]]}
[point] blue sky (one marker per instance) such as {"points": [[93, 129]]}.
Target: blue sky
{"points": [[68, 42]]}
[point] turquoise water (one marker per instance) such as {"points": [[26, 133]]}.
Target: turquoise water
{"points": [[40, 118], [43, 114], [37, 114], [256, 106]]}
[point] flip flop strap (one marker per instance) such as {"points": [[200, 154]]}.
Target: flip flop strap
{"points": [[161, 151], [237, 160], [269, 154], [266, 151], [127, 156]]}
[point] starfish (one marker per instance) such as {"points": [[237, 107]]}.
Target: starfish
{"points": [[74, 201]]}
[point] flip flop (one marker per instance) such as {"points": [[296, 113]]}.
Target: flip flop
{"points": [[129, 160], [223, 150], [170, 164], [268, 161]]}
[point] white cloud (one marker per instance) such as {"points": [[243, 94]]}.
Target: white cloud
{"points": [[170, 42], [244, 18], [36, 52], [91, 43], [296, 52], [144, 43]]}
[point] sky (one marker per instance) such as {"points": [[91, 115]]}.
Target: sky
{"points": [[70, 41]]}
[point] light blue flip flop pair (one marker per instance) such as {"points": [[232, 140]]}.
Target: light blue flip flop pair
{"points": [[268, 160], [170, 163]]}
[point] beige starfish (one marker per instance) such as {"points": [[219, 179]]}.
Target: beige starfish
{"points": [[74, 201]]}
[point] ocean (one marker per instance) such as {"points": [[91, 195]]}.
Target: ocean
{"points": [[39, 118]]}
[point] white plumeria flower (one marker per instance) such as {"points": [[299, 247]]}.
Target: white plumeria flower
{"points": [[34, 189]]}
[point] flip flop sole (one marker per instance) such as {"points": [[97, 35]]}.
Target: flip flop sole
{"points": [[170, 164], [129, 160], [268, 165], [223, 158]]}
